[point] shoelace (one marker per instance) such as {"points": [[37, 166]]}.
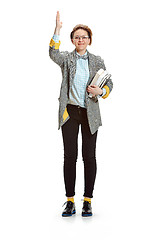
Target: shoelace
{"points": [[67, 202], [86, 205], [64, 203]]}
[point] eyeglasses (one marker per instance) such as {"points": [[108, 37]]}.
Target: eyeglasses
{"points": [[81, 37]]}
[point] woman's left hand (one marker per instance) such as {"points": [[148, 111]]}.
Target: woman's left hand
{"points": [[95, 90]]}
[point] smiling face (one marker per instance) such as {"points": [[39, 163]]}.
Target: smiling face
{"points": [[80, 43]]}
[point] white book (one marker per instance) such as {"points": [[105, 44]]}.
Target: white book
{"points": [[100, 79]]}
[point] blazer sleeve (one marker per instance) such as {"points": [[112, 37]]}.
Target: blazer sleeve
{"points": [[54, 53]]}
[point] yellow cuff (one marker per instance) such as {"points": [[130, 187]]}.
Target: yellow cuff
{"points": [[53, 43], [107, 92]]}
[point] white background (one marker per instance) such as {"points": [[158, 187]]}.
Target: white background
{"points": [[126, 196]]}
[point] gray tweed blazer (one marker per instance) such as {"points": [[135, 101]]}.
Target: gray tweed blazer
{"points": [[67, 62]]}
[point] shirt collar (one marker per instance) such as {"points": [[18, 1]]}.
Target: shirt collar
{"points": [[86, 53]]}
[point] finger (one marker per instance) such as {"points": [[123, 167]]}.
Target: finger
{"points": [[89, 90], [58, 16], [95, 86]]}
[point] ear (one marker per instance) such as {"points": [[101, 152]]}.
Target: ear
{"points": [[72, 41]]}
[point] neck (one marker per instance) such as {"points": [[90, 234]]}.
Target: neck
{"points": [[81, 52]]}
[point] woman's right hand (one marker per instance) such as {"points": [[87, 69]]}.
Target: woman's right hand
{"points": [[58, 23]]}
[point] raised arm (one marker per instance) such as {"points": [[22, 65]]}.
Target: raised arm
{"points": [[54, 53]]}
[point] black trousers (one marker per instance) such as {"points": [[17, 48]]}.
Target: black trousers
{"points": [[78, 116]]}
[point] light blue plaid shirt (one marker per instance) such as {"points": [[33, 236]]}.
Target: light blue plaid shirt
{"points": [[78, 91]]}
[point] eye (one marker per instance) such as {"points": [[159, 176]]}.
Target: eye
{"points": [[84, 37], [81, 37]]}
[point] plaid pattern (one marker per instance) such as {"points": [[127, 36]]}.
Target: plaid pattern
{"points": [[67, 61], [78, 91]]}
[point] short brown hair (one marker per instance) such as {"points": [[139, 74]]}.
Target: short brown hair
{"points": [[84, 27]]}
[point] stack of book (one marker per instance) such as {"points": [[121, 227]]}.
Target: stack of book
{"points": [[100, 79]]}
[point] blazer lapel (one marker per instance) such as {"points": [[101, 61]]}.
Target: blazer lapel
{"points": [[91, 64], [72, 66]]}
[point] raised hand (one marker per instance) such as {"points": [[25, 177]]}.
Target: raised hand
{"points": [[58, 22]]}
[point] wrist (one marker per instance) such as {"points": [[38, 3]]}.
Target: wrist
{"points": [[100, 92], [57, 31]]}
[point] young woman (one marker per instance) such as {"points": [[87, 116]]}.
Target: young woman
{"points": [[77, 108]]}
